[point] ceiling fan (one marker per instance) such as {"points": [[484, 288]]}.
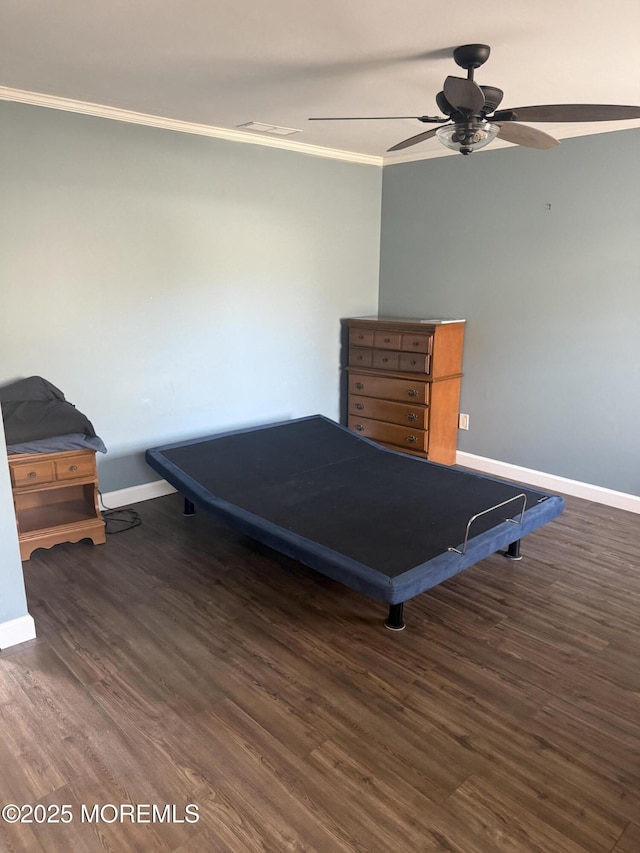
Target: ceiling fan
{"points": [[472, 120]]}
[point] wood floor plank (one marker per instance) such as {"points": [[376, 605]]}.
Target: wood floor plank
{"points": [[574, 812], [19, 839], [630, 840], [484, 818]]}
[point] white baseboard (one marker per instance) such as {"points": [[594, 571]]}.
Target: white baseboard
{"points": [[539, 479], [135, 494], [17, 631]]}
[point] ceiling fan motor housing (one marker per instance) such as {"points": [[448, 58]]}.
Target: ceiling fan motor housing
{"points": [[471, 55]]}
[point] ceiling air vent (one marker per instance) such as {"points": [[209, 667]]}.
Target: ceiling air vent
{"points": [[268, 128]]}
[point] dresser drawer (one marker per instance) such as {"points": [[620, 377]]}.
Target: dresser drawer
{"points": [[416, 343], [385, 410], [413, 362], [360, 357], [75, 466], [401, 390], [31, 473], [361, 337], [400, 436], [387, 340], [386, 360]]}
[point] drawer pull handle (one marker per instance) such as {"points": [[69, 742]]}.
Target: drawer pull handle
{"points": [[360, 406], [387, 340], [360, 427], [412, 416], [73, 467], [359, 385], [416, 343], [413, 361], [360, 337], [385, 360], [411, 439], [33, 474], [412, 392]]}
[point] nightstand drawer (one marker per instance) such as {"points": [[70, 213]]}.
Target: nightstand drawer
{"points": [[31, 473], [75, 466], [400, 436], [401, 390], [385, 410]]}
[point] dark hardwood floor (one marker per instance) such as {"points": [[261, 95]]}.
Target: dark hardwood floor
{"points": [[182, 664]]}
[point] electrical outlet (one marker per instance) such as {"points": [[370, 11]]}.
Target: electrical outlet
{"points": [[463, 421]]}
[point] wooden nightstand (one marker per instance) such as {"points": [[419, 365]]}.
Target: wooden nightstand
{"points": [[55, 496]]}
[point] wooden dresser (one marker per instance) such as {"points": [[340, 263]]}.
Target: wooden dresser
{"points": [[55, 496], [404, 383]]}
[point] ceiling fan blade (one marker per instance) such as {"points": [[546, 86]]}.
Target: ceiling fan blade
{"points": [[568, 112], [464, 95], [426, 119], [413, 140], [530, 137]]}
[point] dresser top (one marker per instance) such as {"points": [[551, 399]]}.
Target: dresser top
{"points": [[413, 321]]}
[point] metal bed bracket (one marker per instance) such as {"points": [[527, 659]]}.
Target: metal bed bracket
{"points": [[521, 497]]}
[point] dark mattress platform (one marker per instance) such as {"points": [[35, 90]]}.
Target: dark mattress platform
{"points": [[378, 521]]}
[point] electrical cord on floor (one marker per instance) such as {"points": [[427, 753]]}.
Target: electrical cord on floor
{"points": [[125, 516]]}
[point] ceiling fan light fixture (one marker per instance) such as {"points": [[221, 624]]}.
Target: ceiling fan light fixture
{"points": [[467, 138]]}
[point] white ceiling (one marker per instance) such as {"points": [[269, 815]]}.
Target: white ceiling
{"points": [[223, 63]]}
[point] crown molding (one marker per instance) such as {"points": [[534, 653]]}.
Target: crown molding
{"points": [[116, 114]]}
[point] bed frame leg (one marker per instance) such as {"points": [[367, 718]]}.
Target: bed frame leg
{"points": [[513, 551], [395, 622], [189, 507]]}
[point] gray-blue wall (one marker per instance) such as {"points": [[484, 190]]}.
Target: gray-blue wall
{"points": [[540, 252], [173, 285]]}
